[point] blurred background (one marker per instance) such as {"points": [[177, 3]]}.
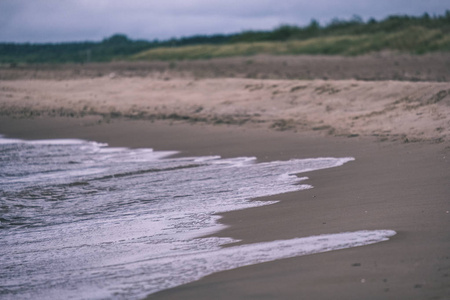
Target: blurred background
{"points": [[177, 35]]}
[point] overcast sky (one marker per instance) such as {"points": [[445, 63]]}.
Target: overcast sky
{"points": [[79, 20]]}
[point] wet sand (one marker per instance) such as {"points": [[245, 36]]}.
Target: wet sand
{"points": [[398, 133], [391, 185]]}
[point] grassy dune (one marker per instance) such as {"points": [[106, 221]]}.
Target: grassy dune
{"points": [[417, 40]]}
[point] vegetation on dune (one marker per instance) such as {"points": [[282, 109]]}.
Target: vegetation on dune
{"points": [[416, 35], [412, 40]]}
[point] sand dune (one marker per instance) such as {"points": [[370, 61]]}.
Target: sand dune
{"points": [[409, 111]]}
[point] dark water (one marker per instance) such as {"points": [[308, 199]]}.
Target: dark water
{"points": [[85, 221]]}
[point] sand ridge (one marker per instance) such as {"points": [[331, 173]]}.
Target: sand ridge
{"points": [[395, 110]]}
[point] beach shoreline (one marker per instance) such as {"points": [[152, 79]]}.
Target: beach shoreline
{"points": [[397, 131], [390, 185]]}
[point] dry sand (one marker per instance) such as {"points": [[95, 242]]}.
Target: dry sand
{"points": [[378, 66], [400, 179], [389, 109]]}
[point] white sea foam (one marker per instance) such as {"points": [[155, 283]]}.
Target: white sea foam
{"points": [[87, 221], [197, 265], [4, 140]]}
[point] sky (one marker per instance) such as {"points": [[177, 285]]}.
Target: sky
{"points": [[41, 21]]}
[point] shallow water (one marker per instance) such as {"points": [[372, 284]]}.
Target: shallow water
{"points": [[83, 220]]}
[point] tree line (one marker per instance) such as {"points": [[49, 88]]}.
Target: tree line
{"points": [[120, 47]]}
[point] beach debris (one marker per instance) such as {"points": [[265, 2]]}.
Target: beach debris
{"points": [[282, 124]]}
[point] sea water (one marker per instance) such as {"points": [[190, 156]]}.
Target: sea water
{"points": [[81, 220]]}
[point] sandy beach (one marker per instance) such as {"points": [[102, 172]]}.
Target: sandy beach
{"points": [[410, 111], [397, 131]]}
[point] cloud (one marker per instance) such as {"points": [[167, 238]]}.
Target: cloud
{"points": [[76, 20]]}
